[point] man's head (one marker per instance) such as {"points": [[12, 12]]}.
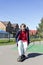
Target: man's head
{"points": [[23, 27]]}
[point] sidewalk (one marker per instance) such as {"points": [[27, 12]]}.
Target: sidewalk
{"points": [[9, 57]]}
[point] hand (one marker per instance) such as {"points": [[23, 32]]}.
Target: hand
{"points": [[17, 44]]}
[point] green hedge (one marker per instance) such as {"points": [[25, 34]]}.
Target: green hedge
{"points": [[36, 39], [7, 42]]}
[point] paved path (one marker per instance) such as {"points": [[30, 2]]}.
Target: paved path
{"points": [[9, 57]]}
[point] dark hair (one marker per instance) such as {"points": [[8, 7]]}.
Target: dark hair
{"points": [[23, 25]]}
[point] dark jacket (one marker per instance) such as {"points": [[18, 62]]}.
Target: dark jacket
{"points": [[17, 35]]}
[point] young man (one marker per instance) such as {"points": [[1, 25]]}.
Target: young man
{"points": [[22, 38]]}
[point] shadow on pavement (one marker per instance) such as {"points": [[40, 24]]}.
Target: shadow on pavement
{"points": [[31, 55]]}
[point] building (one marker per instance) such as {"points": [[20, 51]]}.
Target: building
{"points": [[32, 32], [3, 25], [7, 26]]}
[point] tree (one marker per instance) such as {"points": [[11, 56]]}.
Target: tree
{"points": [[40, 28], [9, 29]]}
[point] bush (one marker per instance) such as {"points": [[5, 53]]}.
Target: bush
{"points": [[7, 42], [35, 39]]}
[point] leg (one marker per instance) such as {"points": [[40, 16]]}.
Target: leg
{"points": [[25, 46], [21, 51], [20, 48]]}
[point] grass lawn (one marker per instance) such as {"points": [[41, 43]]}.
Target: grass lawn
{"points": [[7, 42]]}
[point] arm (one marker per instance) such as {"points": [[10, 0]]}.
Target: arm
{"points": [[16, 36], [28, 40]]}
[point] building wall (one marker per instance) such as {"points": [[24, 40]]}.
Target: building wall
{"points": [[2, 26], [32, 32]]}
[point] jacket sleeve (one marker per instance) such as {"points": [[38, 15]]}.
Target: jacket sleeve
{"points": [[28, 38], [16, 36]]}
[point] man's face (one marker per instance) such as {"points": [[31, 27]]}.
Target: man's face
{"points": [[22, 28]]}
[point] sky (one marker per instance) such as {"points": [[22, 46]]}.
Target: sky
{"points": [[29, 12]]}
